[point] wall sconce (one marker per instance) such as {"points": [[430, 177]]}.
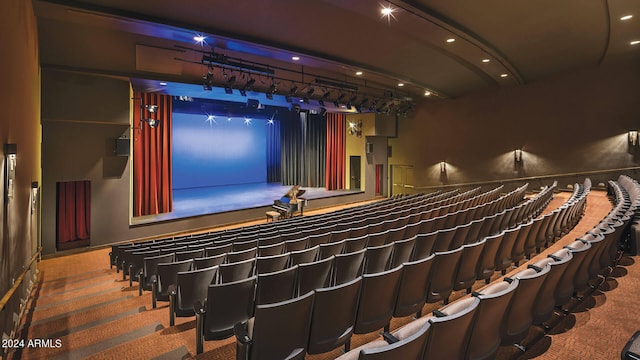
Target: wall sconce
{"points": [[34, 195], [443, 167], [355, 129], [633, 137], [517, 155], [11, 152]]}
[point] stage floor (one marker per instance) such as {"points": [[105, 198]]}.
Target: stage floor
{"points": [[211, 200]]}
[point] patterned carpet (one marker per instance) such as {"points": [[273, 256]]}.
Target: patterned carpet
{"points": [[95, 315]]}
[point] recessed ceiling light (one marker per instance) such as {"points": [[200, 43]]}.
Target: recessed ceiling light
{"points": [[634, 42], [301, 100], [400, 84], [504, 75], [163, 84], [427, 93], [387, 12], [295, 58], [626, 17], [358, 73], [486, 60], [450, 40]]}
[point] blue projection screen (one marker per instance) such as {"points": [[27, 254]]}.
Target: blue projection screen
{"points": [[217, 153]]}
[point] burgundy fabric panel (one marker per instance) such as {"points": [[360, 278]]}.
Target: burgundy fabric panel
{"points": [[336, 152]]}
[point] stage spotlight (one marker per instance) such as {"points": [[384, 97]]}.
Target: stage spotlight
{"points": [[321, 102], [269, 96], [231, 80], [295, 107], [207, 87], [322, 111], [151, 108], [293, 90], [228, 90], [342, 96], [305, 100], [310, 92], [152, 122], [243, 92], [288, 98], [336, 103], [373, 105]]}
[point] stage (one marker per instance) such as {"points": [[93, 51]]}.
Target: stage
{"points": [[218, 199]]}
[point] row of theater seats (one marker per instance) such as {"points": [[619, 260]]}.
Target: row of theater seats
{"points": [[501, 313], [386, 211], [405, 247], [132, 254], [398, 292]]}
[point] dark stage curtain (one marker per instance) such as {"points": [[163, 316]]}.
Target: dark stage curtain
{"points": [[152, 192], [335, 149], [74, 211], [273, 153], [303, 138]]}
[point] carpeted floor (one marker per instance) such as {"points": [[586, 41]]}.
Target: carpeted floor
{"points": [[95, 315]]}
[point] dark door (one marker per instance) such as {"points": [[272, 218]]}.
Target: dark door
{"points": [[354, 166]]}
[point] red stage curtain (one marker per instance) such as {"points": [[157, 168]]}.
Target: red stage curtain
{"points": [[152, 190], [74, 211], [335, 164], [379, 179]]}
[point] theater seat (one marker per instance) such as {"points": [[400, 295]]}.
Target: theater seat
{"points": [[333, 316], [314, 275], [191, 286], [443, 275], [226, 305], [485, 338], [450, 328], [377, 300], [414, 285], [277, 331], [276, 286], [466, 274], [167, 276]]}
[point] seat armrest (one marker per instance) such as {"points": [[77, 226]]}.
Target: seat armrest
{"points": [[390, 339], [171, 290], [241, 333], [198, 307]]}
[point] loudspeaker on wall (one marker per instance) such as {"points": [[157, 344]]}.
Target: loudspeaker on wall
{"points": [[121, 147], [368, 148]]}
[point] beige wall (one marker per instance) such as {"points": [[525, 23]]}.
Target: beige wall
{"points": [[19, 124], [573, 122]]}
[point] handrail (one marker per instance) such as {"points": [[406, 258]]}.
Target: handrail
{"points": [[18, 282], [528, 178]]}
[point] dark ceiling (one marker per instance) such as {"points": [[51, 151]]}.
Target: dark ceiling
{"points": [[496, 43]]}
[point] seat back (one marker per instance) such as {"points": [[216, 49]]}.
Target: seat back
{"points": [[281, 330], [314, 275], [378, 239], [378, 258], [409, 348], [414, 284], [487, 263], [236, 271], [443, 275], [189, 254], [356, 243], [192, 286], [205, 262], [304, 256], [276, 286], [466, 274], [503, 256], [545, 302], [485, 337], [331, 249], [347, 267], [217, 250], [450, 333], [168, 275], [334, 316], [296, 244], [267, 264], [271, 250], [242, 255], [150, 268], [402, 251], [228, 304], [519, 316], [424, 245], [443, 240], [377, 300]]}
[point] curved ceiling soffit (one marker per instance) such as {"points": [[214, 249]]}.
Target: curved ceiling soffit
{"points": [[183, 32], [469, 37]]}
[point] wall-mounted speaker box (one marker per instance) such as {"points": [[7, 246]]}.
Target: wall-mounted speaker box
{"points": [[389, 151], [368, 148], [121, 147]]}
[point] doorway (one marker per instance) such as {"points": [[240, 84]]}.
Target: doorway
{"points": [[401, 179], [355, 172]]}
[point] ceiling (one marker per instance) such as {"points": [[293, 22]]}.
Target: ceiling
{"points": [[496, 43]]}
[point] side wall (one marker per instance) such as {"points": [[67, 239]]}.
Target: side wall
{"points": [[20, 125], [575, 122]]}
